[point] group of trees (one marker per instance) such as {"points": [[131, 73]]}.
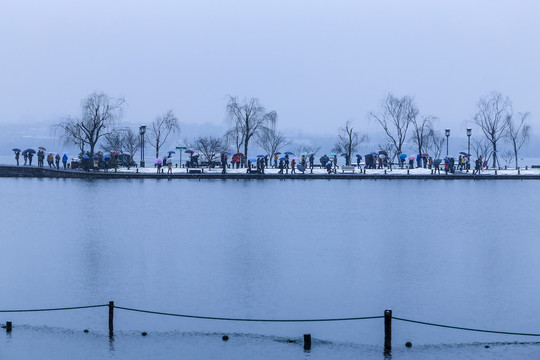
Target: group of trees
{"points": [[99, 117], [249, 122], [402, 121]]}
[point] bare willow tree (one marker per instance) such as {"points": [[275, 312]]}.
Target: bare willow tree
{"points": [[422, 130], [211, 147], [161, 128], [348, 141], [271, 141], [99, 114], [492, 117], [235, 137], [395, 118], [517, 133], [249, 118]]}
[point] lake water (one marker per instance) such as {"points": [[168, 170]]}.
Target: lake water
{"points": [[462, 253]]}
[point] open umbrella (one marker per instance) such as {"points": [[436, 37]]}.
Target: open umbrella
{"points": [[239, 154], [228, 154], [32, 151], [288, 153], [283, 159], [437, 162], [42, 148], [126, 153], [278, 153], [105, 157], [189, 152], [462, 153], [374, 154], [115, 153], [158, 161], [85, 156], [425, 155], [403, 156], [171, 152], [412, 157], [16, 149], [252, 159], [382, 152], [446, 160], [260, 156]]}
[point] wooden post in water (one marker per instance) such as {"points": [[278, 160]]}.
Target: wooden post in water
{"points": [[9, 326], [387, 331], [111, 319], [307, 342]]}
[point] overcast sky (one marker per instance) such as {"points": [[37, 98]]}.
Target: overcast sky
{"points": [[317, 63]]}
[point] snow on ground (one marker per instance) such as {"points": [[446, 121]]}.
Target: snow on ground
{"points": [[318, 171]]}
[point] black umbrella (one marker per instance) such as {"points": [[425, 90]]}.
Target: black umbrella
{"points": [[16, 150]]}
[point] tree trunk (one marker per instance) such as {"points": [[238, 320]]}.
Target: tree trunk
{"points": [[494, 154], [516, 154]]}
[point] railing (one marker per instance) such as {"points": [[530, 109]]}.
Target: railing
{"points": [[307, 337]]}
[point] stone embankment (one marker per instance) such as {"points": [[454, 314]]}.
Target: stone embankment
{"points": [[38, 172]]}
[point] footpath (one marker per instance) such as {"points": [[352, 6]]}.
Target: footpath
{"points": [[8, 171]]}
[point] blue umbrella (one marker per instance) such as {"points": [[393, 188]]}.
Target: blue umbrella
{"points": [[171, 152], [252, 159], [228, 154], [278, 153], [288, 153], [446, 160], [283, 159], [374, 154], [105, 157], [260, 156], [403, 156], [437, 162], [85, 156], [30, 151]]}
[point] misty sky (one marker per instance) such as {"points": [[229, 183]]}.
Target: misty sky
{"points": [[317, 63]]}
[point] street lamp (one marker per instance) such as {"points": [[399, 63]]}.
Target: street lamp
{"points": [[469, 133], [142, 130], [447, 132]]}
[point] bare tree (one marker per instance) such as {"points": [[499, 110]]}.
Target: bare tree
{"points": [[99, 114], [482, 147], [249, 118], [422, 130], [113, 141], [348, 141], [395, 118], [124, 141], [517, 133], [161, 128], [235, 136], [211, 147], [271, 141], [435, 142], [492, 117]]}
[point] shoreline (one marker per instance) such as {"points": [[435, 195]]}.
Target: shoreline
{"points": [[11, 171]]}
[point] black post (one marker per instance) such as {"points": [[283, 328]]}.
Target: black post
{"points": [[111, 318], [307, 342], [387, 331], [9, 326]]}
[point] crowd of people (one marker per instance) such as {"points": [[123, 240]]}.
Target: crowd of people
{"points": [[289, 161]]}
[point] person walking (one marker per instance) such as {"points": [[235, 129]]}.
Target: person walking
{"points": [[57, 160], [25, 157], [64, 160], [293, 165], [30, 156], [224, 163], [311, 161], [280, 167], [169, 165], [17, 153], [275, 161]]}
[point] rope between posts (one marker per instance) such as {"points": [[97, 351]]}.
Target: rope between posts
{"points": [[54, 309], [244, 319], [464, 328]]}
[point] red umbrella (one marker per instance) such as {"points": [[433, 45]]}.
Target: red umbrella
{"points": [[425, 155], [42, 148], [239, 154]]}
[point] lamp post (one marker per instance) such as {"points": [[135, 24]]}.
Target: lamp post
{"points": [[142, 130], [447, 132], [469, 133]]}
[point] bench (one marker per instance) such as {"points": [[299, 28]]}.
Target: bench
{"points": [[347, 168], [195, 170], [535, 166]]}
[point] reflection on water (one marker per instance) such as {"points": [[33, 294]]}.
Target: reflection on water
{"points": [[458, 253]]}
